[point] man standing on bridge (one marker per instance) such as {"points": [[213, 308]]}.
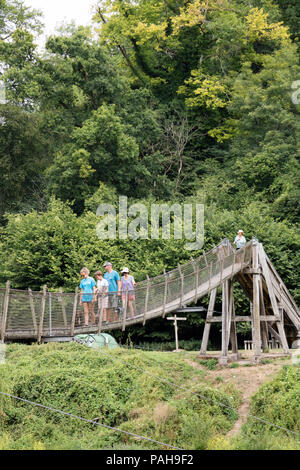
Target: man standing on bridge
{"points": [[240, 240]]}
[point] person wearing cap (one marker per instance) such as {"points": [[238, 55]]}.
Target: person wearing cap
{"points": [[240, 240], [114, 288], [128, 284]]}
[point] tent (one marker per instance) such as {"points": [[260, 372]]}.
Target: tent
{"points": [[97, 341]]}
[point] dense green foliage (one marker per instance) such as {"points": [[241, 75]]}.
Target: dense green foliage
{"points": [[168, 102], [125, 389], [112, 388]]}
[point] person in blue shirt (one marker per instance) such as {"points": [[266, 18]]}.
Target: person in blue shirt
{"points": [[87, 295], [114, 289]]}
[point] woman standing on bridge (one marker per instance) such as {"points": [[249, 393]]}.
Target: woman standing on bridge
{"points": [[128, 285], [240, 240], [87, 294]]}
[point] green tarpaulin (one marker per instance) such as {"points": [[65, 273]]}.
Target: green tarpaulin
{"points": [[97, 341]]}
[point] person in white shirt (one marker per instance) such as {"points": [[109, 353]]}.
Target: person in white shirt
{"points": [[102, 293], [240, 240]]}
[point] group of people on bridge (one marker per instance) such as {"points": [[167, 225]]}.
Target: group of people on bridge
{"points": [[106, 291], [108, 287]]}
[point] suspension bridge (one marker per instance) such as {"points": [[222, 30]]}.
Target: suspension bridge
{"points": [[48, 316]]}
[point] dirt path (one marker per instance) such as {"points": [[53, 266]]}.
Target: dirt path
{"points": [[246, 379]]}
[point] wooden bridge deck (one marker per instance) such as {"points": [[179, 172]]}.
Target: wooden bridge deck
{"points": [[46, 315]]}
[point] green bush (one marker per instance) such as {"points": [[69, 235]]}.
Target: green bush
{"points": [[275, 404]]}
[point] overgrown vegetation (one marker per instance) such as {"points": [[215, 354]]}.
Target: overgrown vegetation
{"points": [[276, 402], [113, 389], [128, 390]]}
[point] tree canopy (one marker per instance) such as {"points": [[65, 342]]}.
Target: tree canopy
{"points": [[160, 100]]}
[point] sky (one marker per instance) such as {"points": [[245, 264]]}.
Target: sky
{"points": [[56, 12]]}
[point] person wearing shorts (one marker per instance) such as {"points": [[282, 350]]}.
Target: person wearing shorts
{"points": [[114, 289], [87, 295], [128, 285], [102, 290]]}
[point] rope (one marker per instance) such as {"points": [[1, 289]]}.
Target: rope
{"points": [[89, 421], [201, 396]]}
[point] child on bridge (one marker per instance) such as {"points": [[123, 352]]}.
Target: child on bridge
{"points": [[102, 292]]}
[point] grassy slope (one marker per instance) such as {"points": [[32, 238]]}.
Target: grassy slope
{"points": [[91, 384], [106, 385]]}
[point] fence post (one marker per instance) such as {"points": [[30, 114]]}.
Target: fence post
{"points": [[74, 312], [42, 314], [147, 299], [125, 310], [182, 285], [221, 270], [63, 308], [32, 310], [5, 312], [196, 271], [165, 293], [101, 312], [233, 265], [210, 276]]}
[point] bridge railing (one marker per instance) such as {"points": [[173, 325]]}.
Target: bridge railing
{"points": [[45, 313]]}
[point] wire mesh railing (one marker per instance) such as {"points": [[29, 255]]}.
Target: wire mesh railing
{"points": [[28, 314]]}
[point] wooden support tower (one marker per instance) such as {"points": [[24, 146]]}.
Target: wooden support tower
{"points": [[266, 307]]}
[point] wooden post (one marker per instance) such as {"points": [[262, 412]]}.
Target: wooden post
{"points": [[5, 312], [175, 318], [256, 338], [221, 270], [72, 329], [42, 314], [63, 308], [204, 256], [182, 285], [263, 324], [32, 310], [233, 265], [165, 293], [196, 272], [50, 314], [125, 310], [176, 333], [101, 311], [207, 326], [266, 273], [210, 276], [232, 324], [146, 300], [225, 333]]}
